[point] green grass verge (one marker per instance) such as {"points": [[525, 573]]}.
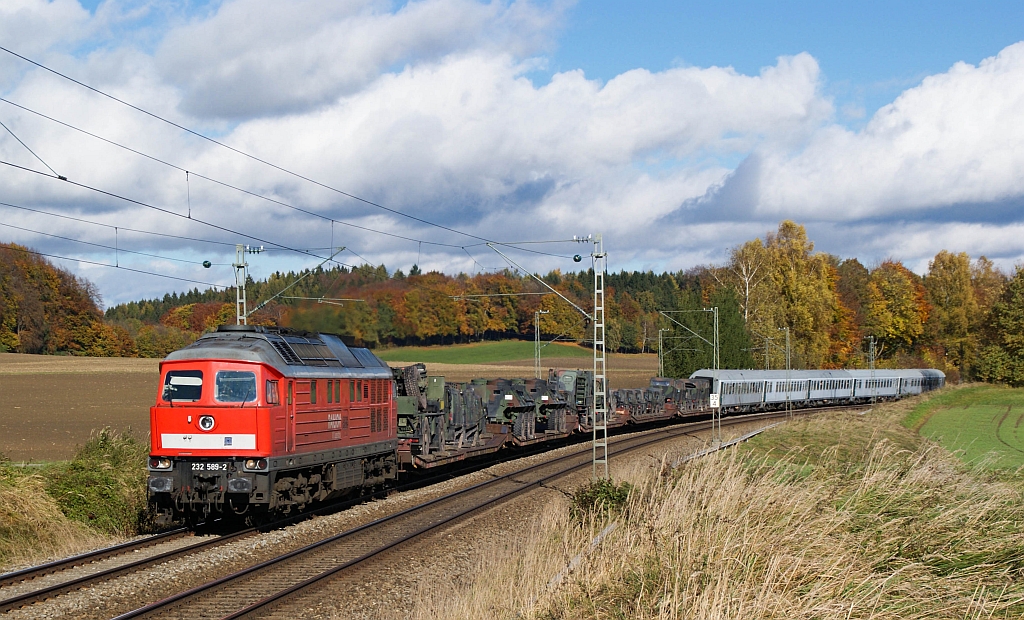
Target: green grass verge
{"points": [[982, 424], [104, 486], [63, 508], [481, 352]]}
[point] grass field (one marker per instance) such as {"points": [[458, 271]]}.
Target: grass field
{"points": [[845, 514], [481, 352], [983, 424]]}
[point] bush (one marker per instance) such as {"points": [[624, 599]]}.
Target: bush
{"points": [[600, 498], [104, 486]]}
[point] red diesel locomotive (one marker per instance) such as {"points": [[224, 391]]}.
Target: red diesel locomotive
{"points": [[251, 420]]}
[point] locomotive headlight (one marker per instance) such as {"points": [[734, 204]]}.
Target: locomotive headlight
{"points": [[255, 464], [205, 422], [159, 463]]}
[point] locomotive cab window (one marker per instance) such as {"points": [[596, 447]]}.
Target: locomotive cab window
{"points": [[235, 386], [272, 396], [183, 385]]}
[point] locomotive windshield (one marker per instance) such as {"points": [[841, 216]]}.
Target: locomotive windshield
{"points": [[236, 386], [183, 385]]}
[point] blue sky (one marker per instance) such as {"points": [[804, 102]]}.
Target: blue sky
{"points": [[678, 130], [869, 51]]}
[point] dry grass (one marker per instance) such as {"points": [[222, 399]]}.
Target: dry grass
{"points": [[32, 526], [64, 508], [840, 516]]}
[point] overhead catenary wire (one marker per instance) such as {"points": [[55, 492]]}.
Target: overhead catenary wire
{"points": [[161, 209], [20, 141], [239, 151], [148, 232], [189, 173], [99, 264], [192, 173], [107, 247]]}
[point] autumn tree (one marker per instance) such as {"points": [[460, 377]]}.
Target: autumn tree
{"points": [[988, 283], [784, 283], [954, 309], [897, 308], [45, 309]]}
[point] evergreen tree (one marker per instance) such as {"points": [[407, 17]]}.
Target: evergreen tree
{"points": [[688, 347]]}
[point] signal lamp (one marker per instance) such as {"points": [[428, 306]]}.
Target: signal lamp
{"points": [[207, 264], [577, 258], [159, 463], [255, 464], [206, 422]]}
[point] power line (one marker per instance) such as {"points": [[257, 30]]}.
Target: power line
{"points": [[238, 151], [89, 262], [107, 247], [160, 209], [189, 173]]}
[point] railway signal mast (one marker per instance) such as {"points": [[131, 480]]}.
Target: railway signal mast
{"points": [[716, 412], [241, 275]]}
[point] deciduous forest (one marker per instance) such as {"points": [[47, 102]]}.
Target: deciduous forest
{"points": [[964, 315]]}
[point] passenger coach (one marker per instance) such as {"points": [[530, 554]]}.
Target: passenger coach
{"points": [[761, 390]]}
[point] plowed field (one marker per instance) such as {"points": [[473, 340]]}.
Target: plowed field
{"points": [[50, 404]]}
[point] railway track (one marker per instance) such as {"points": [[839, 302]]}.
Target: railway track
{"points": [[34, 572], [258, 590], [334, 552], [15, 591]]}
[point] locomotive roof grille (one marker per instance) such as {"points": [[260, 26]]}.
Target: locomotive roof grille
{"points": [[286, 351], [304, 351]]}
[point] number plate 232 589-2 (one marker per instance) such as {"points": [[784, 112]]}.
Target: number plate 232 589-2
{"points": [[209, 466]]}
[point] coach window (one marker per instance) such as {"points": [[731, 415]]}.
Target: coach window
{"points": [[272, 396], [235, 386], [312, 392], [337, 391], [351, 391], [183, 385], [330, 391]]}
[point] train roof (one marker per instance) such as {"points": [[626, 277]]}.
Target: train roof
{"points": [[775, 375], [800, 375], [293, 353]]}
